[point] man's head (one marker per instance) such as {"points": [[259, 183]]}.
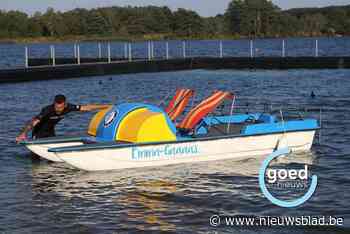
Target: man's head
{"points": [[59, 103]]}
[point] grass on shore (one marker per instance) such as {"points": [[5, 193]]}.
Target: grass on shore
{"points": [[146, 37]]}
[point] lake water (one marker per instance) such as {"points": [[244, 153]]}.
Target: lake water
{"points": [[12, 56], [42, 197]]}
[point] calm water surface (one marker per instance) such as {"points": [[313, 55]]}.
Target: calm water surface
{"points": [[53, 198]]}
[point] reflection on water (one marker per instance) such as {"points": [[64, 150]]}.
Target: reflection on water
{"points": [[146, 197]]}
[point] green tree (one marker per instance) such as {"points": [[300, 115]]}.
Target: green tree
{"points": [[14, 24], [251, 17], [97, 23], [247, 18], [187, 23]]}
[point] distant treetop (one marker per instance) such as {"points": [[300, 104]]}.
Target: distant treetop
{"points": [[243, 18]]}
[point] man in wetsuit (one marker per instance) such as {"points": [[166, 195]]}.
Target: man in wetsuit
{"points": [[43, 125]]}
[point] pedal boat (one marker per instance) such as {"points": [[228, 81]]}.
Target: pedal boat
{"points": [[136, 135]]}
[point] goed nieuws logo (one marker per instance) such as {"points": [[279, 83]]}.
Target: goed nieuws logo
{"points": [[296, 179]]}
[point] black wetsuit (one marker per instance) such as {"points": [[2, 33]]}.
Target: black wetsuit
{"points": [[48, 120]]}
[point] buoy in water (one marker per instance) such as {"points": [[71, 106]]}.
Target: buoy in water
{"points": [[313, 95]]}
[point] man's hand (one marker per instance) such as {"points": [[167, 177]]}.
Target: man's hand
{"points": [[21, 137]]}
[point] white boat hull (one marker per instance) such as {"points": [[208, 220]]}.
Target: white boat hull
{"points": [[155, 155], [42, 149]]}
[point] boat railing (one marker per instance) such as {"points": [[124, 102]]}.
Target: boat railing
{"points": [[289, 111], [241, 106]]}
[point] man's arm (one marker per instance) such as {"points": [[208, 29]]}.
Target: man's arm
{"points": [[93, 107], [31, 124], [27, 128]]}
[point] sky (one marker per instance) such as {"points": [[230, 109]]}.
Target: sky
{"points": [[203, 7]]}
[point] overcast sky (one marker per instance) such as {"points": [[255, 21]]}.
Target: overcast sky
{"points": [[203, 7]]}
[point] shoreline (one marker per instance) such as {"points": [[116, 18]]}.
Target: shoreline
{"points": [[72, 39]]}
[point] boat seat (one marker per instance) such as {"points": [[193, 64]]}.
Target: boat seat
{"points": [[221, 129], [179, 102], [208, 105]]}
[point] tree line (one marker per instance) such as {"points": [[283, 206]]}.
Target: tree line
{"points": [[243, 18]]}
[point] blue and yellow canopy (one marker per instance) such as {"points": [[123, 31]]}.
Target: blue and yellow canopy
{"points": [[132, 122]]}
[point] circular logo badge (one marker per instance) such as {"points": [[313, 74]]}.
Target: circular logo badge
{"points": [[110, 118], [268, 195]]}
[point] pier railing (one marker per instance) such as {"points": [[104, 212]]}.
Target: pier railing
{"points": [[116, 52], [63, 61]]}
